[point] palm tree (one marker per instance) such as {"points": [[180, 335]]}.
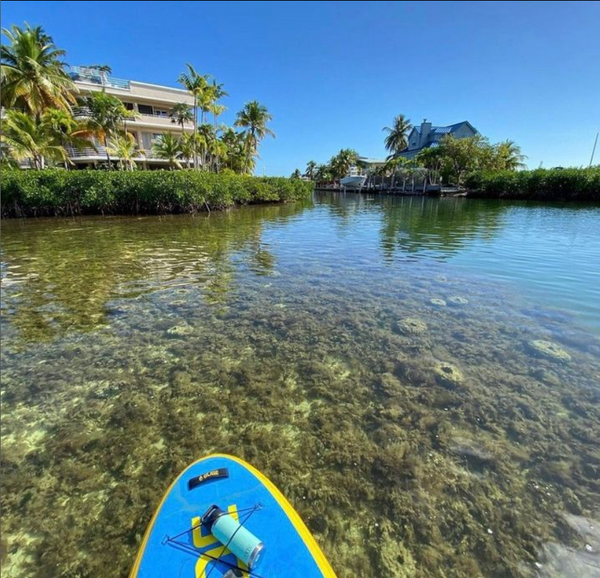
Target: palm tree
{"points": [[33, 77], [27, 137], [296, 174], [254, 118], [341, 163], [309, 173], [6, 158], [67, 131], [323, 173], [235, 157], [217, 110], [107, 115], [206, 135], [188, 148], [196, 85], [205, 103], [509, 156], [168, 147], [181, 114], [393, 167], [433, 159], [397, 137], [218, 92], [126, 149], [430, 158], [219, 152], [213, 148]]}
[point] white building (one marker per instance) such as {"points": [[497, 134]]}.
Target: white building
{"points": [[426, 135], [151, 102]]}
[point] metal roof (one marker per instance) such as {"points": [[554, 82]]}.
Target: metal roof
{"points": [[443, 129]]}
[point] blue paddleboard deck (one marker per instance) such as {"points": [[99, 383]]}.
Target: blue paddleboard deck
{"points": [[177, 544]]}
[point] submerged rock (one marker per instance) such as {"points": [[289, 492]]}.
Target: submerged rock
{"points": [[549, 349], [179, 330], [457, 300], [438, 302], [411, 325], [448, 375]]}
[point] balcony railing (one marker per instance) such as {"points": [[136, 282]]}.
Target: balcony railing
{"points": [[84, 112], [155, 115], [94, 76], [100, 154], [155, 118]]}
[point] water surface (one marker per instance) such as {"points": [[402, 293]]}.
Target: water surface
{"points": [[419, 377]]}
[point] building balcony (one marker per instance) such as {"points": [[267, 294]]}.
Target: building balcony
{"points": [[149, 120], [157, 120], [93, 76], [99, 154]]}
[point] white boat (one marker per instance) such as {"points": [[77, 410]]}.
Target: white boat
{"points": [[354, 179]]}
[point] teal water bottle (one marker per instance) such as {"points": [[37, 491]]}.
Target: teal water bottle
{"points": [[243, 543]]}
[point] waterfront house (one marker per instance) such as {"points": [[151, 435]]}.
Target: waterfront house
{"points": [[151, 103], [426, 135]]}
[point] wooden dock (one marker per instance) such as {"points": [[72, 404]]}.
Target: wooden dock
{"points": [[429, 190]]}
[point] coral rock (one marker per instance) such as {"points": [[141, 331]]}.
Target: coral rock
{"points": [[549, 349], [448, 375]]}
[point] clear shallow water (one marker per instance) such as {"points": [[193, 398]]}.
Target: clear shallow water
{"points": [[415, 437]]}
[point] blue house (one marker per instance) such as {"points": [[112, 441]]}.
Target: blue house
{"points": [[426, 135]]}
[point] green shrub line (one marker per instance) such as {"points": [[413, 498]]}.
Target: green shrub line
{"points": [[57, 192], [537, 185]]}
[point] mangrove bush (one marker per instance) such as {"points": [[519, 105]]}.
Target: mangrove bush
{"points": [[538, 185], [59, 192]]}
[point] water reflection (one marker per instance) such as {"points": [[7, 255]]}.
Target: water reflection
{"points": [[60, 275], [431, 227], [418, 225]]}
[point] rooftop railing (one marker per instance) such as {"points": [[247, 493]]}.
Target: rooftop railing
{"points": [[95, 76]]}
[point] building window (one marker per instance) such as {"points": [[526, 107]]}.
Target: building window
{"points": [[145, 109], [128, 105]]}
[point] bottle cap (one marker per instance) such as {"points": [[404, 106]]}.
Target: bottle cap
{"points": [[211, 516]]}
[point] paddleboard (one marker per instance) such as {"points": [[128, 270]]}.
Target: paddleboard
{"points": [[181, 540]]}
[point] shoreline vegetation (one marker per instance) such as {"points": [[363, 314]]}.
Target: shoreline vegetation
{"points": [[538, 185], [56, 192]]}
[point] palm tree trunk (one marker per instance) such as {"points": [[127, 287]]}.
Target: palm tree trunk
{"points": [[106, 151], [182, 132], [218, 159], [195, 130]]}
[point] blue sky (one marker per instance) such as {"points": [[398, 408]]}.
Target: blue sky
{"points": [[334, 73]]}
